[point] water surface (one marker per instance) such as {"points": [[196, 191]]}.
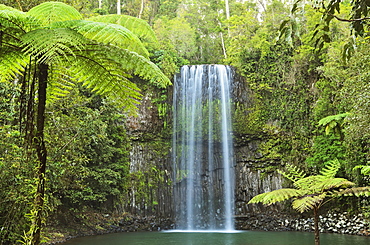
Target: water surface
{"points": [[222, 238]]}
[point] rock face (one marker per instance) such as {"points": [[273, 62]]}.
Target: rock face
{"points": [[151, 149], [255, 173]]}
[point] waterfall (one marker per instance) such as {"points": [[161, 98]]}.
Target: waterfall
{"points": [[203, 157]]}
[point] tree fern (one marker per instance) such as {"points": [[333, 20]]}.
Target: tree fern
{"points": [[105, 77], [312, 191], [333, 123], [56, 48], [138, 26]]}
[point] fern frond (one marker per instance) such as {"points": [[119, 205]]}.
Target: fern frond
{"points": [[51, 45], [50, 12], [365, 169], [10, 17], [354, 191], [138, 26], [332, 122], [330, 169], [319, 183], [308, 202], [106, 33], [333, 183], [95, 70], [326, 120], [106, 71], [59, 83], [143, 68], [12, 63], [275, 196], [293, 173], [309, 183]]}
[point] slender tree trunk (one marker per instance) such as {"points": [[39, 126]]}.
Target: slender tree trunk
{"points": [[227, 10], [223, 45], [118, 6], [39, 144], [316, 225], [141, 9]]}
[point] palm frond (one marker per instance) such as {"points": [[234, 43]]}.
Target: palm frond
{"points": [[138, 26], [51, 45], [12, 64], [293, 173], [50, 12], [308, 202], [106, 33], [275, 196], [330, 169]]}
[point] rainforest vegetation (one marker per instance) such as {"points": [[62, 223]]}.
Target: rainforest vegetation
{"points": [[73, 71]]}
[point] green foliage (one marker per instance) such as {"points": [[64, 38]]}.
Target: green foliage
{"points": [[145, 32], [311, 191], [293, 173], [325, 147], [365, 169], [89, 152], [178, 34], [333, 123], [52, 45]]}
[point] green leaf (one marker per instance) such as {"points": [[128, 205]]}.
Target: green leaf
{"points": [[51, 45], [51, 12], [307, 203], [137, 26], [106, 33], [275, 196]]}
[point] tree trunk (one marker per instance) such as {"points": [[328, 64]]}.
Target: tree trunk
{"points": [[227, 10], [316, 225], [118, 6], [39, 145], [141, 9], [223, 45]]}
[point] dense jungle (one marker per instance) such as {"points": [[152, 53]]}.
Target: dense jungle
{"points": [[86, 103]]}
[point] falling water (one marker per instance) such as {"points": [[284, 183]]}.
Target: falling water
{"points": [[202, 148]]}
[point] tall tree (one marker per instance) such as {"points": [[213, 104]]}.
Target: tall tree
{"points": [[48, 49]]}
